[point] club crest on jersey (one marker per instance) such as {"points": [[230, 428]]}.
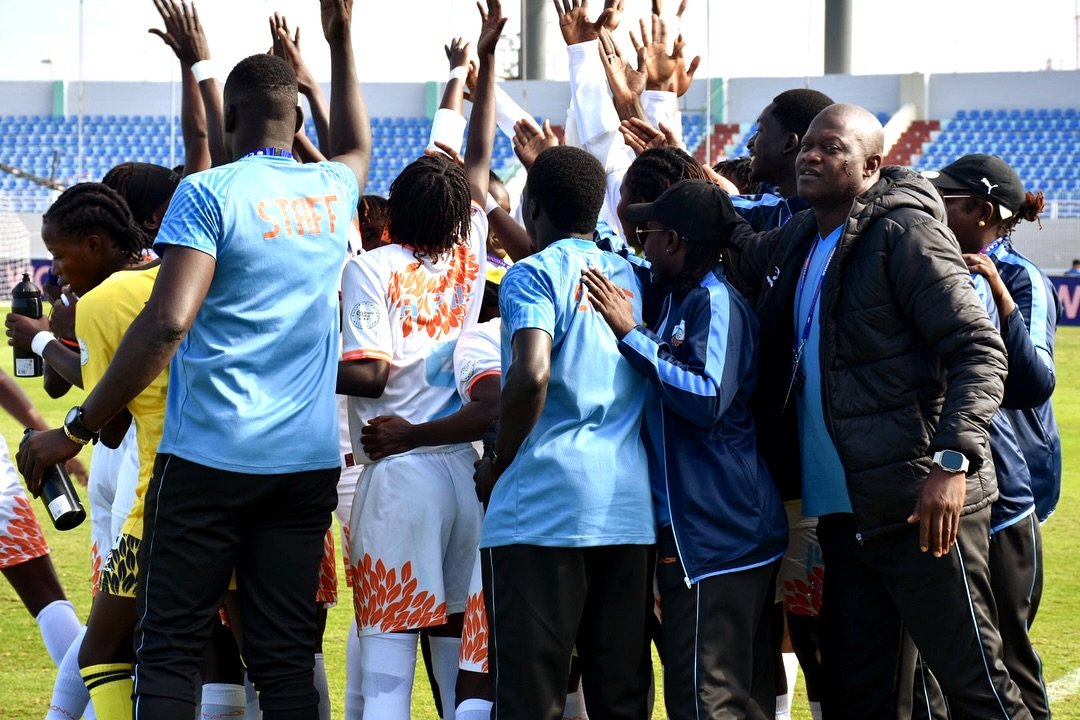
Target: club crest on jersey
{"points": [[678, 334], [364, 315], [84, 353]]}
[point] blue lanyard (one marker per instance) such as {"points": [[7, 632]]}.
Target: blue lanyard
{"points": [[272, 151], [805, 334], [800, 343]]}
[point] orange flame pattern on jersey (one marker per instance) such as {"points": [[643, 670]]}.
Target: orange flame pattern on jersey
{"points": [[474, 634], [437, 302], [391, 604], [22, 540]]}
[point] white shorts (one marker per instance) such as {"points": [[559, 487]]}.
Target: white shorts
{"points": [[802, 569], [21, 539], [110, 491], [414, 532], [473, 655]]}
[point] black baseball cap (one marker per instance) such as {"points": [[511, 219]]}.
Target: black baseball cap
{"points": [[700, 211], [982, 176]]}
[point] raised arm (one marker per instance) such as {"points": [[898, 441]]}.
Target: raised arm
{"points": [[288, 48], [193, 125], [626, 81], [350, 127], [482, 120]]}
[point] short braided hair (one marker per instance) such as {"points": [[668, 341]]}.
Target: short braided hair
{"points": [[429, 206], [93, 206], [657, 169]]}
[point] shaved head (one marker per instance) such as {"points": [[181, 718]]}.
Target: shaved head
{"points": [[862, 124], [839, 159]]}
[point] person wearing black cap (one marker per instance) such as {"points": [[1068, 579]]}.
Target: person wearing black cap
{"points": [[985, 200], [721, 522], [889, 400]]}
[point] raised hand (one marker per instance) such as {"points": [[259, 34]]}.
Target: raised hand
{"points": [[491, 27], [641, 136], [529, 142], [658, 8], [287, 47], [445, 150], [457, 52], [666, 71], [627, 82], [183, 31], [574, 20], [336, 19]]}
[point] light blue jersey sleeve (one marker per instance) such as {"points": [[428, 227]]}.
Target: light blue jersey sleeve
{"points": [[193, 219], [527, 299]]}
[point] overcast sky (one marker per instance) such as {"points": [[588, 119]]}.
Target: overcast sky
{"points": [[401, 40]]}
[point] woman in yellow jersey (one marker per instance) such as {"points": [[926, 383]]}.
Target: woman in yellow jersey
{"points": [[98, 249]]}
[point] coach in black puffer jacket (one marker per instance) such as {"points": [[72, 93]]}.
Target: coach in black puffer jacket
{"points": [[914, 364], [907, 364]]}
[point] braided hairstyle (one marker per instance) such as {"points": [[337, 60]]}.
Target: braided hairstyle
{"points": [[145, 187], [429, 207], [737, 170], [657, 169], [91, 206], [1029, 210]]}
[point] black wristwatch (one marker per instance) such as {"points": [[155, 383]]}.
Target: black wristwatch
{"points": [[76, 429]]}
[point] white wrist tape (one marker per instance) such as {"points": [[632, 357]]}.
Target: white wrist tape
{"points": [[490, 205], [39, 342], [459, 73], [204, 70]]}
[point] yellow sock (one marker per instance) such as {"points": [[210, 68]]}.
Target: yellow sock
{"points": [[110, 689]]}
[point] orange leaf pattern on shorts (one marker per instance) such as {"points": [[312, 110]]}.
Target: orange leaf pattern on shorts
{"points": [[389, 600], [474, 635], [434, 303], [95, 569], [803, 597], [327, 592], [22, 539], [350, 580]]}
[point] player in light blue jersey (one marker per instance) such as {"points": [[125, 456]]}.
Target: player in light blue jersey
{"points": [[246, 301], [569, 529]]}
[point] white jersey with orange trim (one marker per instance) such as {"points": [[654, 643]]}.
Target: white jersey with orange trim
{"points": [[477, 356], [410, 312]]}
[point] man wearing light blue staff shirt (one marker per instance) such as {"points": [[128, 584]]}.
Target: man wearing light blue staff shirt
{"points": [[567, 543]]}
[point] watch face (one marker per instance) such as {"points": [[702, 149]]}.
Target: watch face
{"points": [[952, 460], [72, 416]]}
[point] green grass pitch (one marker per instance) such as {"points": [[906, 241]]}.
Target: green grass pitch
{"points": [[26, 674]]}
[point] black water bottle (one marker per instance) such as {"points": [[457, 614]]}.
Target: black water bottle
{"points": [[58, 495], [26, 300]]}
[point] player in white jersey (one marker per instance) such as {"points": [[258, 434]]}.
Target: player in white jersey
{"points": [[24, 553], [416, 521]]}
